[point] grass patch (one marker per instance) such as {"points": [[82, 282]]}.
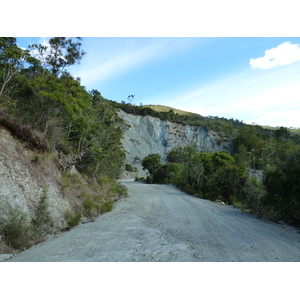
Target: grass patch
{"points": [[163, 108]]}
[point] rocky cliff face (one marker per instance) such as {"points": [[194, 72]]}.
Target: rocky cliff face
{"points": [[148, 135], [24, 174]]}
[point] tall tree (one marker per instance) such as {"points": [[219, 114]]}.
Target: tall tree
{"points": [[61, 53]]}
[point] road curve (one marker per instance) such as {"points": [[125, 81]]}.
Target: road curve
{"points": [[160, 223]]}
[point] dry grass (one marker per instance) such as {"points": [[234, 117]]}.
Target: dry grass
{"points": [[24, 133], [162, 108]]}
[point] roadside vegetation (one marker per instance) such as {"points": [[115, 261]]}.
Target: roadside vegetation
{"points": [[260, 175], [48, 109]]}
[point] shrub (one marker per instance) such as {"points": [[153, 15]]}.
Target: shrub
{"points": [[14, 224], [168, 173], [106, 206], [42, 221], [151, 163], [283, 189], [73, 220], [139, 179], [130, 168], [92, 208], [137, 159], [116, 190]]}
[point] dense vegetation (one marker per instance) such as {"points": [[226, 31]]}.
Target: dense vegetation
{"points": [[42, 104], [214, 176], [37, 91]]}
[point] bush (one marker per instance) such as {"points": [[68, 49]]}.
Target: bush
{"points": [[139, 179], [151, 163], [73, 220], [92, 208], [14, 224], [168, 173], [115, 190], [106, 206], [130, 168], [283, 189]]}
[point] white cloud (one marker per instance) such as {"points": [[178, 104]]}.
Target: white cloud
{"points": [[282, 55], [115, 65], [277, 106], [246, 96], [288, 118], [122, 55]]}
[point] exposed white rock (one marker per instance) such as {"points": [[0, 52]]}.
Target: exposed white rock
{"points": [[148, 135]]}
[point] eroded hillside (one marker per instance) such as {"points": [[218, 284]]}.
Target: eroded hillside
{"points": [[147, 135]]}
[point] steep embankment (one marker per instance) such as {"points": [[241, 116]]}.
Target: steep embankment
{"points": [[148, 135], [24, 174], [27, 176]]}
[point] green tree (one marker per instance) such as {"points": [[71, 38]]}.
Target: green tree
{"points": [[151, 163], [210, 175], [282, 134], [61, 53], [283, 188], [47, 101], [221, 177], [242, 158], [253, 144], [12, 60], [181, 154], [168, 173]]}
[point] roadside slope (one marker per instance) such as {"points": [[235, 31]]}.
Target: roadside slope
{"points": [[160, 223]]}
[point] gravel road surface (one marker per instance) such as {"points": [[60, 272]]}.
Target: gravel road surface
{"points": [[160, 223]]}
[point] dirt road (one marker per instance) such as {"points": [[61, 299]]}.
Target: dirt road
{"points": [[160, 223]]}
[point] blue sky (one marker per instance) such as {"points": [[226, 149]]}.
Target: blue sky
{"points": [[250, 79]]}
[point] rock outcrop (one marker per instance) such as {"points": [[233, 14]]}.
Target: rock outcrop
{"points": [[24, 174], [148, 135]]}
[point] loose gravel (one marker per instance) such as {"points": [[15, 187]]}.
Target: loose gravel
{"points": [[161, 223]]}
